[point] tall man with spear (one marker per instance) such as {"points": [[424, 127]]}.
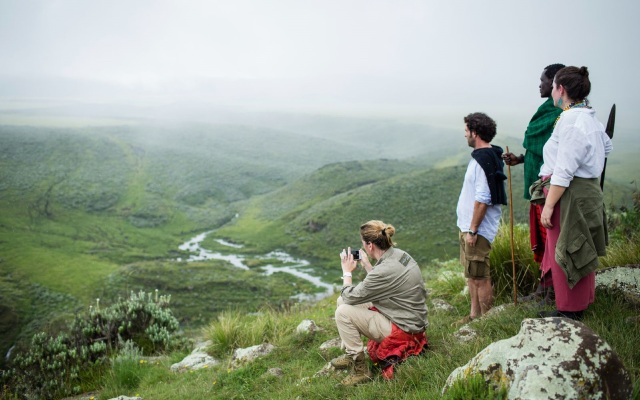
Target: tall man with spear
{"points": [[537, 133]]}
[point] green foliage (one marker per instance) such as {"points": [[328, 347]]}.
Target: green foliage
{"points": [[474, 388], [52, 365], [624, 221], [201, 290], [418, 378], [105, 208], [503, 264], [235, 329], [144, 318], [624, 234], [126, 364]]}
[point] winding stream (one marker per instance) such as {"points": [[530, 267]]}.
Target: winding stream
{"points": [[297, 267]]}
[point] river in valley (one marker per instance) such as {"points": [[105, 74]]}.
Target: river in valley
{"points": [[297, 267]]}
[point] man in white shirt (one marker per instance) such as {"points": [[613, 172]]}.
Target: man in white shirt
{"points": [[479, 211]]}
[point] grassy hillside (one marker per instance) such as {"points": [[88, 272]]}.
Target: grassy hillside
{"points": [[98, 212], [299, 358], [84, 210], [319, 214]]}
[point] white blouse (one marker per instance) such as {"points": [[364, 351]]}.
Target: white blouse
{"points": [[577, 147]]}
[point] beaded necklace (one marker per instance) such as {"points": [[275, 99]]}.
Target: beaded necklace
{"points": [[583, 104]]}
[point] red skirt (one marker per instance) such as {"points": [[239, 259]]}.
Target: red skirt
{"points": [[584, 292]]}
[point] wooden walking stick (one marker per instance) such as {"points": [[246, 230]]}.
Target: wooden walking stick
{"points": [[513, 257]]}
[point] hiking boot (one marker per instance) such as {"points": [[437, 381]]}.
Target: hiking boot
{"points": [[345, 361], [360, 373]]}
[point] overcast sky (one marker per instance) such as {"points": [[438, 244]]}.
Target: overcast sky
{"points": [[405, 56]]}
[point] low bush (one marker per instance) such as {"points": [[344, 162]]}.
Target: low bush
{"points": [[53, 366], [527, 271], [236, 329]]}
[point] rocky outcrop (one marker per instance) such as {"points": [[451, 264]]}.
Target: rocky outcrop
{"points": [[196, 360], [625, 279], [551, 358], [246, 355], [307, 326], [442, 306], [126, 398], [329, 344]]}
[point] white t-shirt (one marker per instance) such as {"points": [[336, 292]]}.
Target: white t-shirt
{"points": [[475, 188], [577, 147]]}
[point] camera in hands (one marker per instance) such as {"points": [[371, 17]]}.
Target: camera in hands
{"points": [[356, 254]]}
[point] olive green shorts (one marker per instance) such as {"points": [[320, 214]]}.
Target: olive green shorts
{"points": [[475, 260]]}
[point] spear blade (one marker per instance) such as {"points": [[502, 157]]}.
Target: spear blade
{"points": [[611, 122]]}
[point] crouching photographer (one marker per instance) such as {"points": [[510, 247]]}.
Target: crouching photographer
{"points": [[388, 306]]}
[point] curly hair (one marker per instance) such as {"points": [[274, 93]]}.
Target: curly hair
{"points": [[482, 125], [575, 82], [378, 233], [551, 70]]}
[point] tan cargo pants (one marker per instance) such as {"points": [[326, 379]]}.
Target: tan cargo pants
{"points": [[357, 320]]}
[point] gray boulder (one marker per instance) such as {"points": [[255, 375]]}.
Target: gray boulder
{"points": [[307, 327], [551, 358], [246, 355], [625, 279], [331, 343], [196, 360], [442, 305]]}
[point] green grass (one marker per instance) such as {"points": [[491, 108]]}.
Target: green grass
{"points": [[527, 271], [421, 377], [98, 212], [201, 290], [299, 358]]}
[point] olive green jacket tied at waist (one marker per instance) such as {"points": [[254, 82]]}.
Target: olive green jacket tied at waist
{"points": [[583, 228], [396, 288]]}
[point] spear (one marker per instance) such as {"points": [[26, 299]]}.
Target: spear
{"points": [[611, 122], [513, 257]]}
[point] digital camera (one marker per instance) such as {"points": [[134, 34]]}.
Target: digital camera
{"points": [[356, 254]]}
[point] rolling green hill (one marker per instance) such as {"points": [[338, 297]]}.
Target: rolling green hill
{"points": [[85, 211], [97, 212]]}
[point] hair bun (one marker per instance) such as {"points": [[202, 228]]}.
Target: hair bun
{"points": [[583, 71]]}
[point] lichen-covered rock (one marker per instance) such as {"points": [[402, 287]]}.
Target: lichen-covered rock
{"points": [[331, 343], [465, 334], [441, 305], [196, 360], [624, 278], [493, 311], [307, 327], [277, 372], [243, 356], [554, 358]]}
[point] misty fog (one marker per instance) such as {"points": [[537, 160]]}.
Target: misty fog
{"points": [[422, 62]]}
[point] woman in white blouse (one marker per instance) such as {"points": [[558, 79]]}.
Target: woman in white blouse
{"points": [[573, 210]]}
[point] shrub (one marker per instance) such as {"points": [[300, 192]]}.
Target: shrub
{"points": [[126, 372], [624, 222], [624, 234], [51, 366], [235, 329], [527, 270]]}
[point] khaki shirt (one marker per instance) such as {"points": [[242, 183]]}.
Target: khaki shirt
{"points": [[396, 288]]}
